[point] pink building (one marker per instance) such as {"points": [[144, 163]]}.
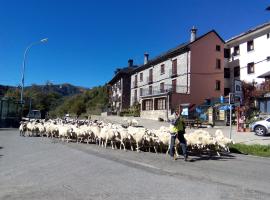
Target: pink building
{"points": [[185, 75]]}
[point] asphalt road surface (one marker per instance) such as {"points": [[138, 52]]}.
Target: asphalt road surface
{"points": [[42, 168]]}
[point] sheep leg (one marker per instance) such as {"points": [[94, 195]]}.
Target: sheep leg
{"points": [[138, 148], [120, 145], [112, 144], [155, 148]]}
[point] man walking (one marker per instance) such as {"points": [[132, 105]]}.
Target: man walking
{"points": [[178, 130]]}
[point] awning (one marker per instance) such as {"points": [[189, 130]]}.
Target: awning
{"points": [[224, 107], [265, 75]]}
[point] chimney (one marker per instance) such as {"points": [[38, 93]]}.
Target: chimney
{"points": [[193, 34], [146, 56], [130, 63]]}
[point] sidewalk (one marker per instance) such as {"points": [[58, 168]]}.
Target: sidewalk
{"points": [[238, 137]]}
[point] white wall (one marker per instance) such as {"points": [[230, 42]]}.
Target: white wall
{"points": [[261, 52], [183, 61]]}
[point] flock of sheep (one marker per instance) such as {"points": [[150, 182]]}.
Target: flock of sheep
{"points": [[123, 136]]}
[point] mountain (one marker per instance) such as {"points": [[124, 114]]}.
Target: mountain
{"points": [[65, 89], [4, 89]]}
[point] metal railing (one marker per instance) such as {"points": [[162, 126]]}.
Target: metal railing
{"points": [[166, 89], [135, 84], [150, 79], [172, 72]]}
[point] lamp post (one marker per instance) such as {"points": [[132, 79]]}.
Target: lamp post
{"points": [[24, 61], [231, 99]]}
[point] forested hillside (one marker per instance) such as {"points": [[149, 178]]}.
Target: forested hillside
{"points": [[58, 100]]}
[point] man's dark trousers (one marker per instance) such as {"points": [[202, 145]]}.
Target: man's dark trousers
{"points": [[183, 143]]}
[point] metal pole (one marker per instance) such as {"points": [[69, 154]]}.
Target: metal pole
{"points": [[230, 115], [23, 70], [24, 62]]}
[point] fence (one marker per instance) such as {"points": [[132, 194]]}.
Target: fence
{"points": [[10, 113]]}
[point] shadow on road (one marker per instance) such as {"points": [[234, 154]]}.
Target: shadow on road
{"points": [[225, 157], [1, 155]]}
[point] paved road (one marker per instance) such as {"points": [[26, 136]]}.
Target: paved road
{"points": [[238, 137], [42, 168]]}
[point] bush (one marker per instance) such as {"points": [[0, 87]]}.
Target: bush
{"points": [[132, 111]]}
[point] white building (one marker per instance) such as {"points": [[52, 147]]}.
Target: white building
{"points": [[248, 57]]}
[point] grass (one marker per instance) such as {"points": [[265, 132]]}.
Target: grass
{"points": [[254, 149]]}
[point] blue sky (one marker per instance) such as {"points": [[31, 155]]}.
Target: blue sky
{"points": [[88, 39]]}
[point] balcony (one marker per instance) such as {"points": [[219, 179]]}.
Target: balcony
{"points": [[135, 84], [116, 98], [150, 79], [134, 99], [173, 73], [156, 91]]}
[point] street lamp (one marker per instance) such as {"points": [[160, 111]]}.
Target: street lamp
{"points": [[24, 59]]}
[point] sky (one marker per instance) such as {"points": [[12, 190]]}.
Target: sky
{"points": [[89, 39]]}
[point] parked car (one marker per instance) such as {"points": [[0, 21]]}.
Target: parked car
{"points": [[33, 114], [261, 127]]}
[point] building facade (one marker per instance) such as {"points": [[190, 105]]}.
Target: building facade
{"points": [[247, 58], [185, 75], [119, 89]]}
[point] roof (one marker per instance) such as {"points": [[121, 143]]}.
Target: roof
{"points": [[249, 31], [267, 74], [184, 47], [121, 72]]}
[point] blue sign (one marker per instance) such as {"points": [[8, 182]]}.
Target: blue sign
{"points": [[221, 99]]}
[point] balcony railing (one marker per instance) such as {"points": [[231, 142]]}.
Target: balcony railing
{"points": [[150, 79], [166, 89], [173, 73], [135, 99], [135, 84], [116, 98]]}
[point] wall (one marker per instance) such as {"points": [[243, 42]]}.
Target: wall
{"points": [[260, 52], [154, 114], [182, 81], [203, 71]]}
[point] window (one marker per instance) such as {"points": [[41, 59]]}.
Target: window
{"points": [[150, 90], [174, 86], [226, 91], [217, 47], [227, 73], [250, 68], [250, 45], [236, 51], [227, 53], [161, 86], [237, 88], [141, 77], [136, 81], [150, 78], [174, 67], [236, 71], [162, 69], [217, 85], [218, 63], [160, 104], [135, 95], [141, 91], [148, 104]]}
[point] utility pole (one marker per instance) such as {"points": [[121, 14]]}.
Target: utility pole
{"points": [[230, 103]]}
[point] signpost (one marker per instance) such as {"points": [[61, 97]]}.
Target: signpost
{"points": [[231, 101]]}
